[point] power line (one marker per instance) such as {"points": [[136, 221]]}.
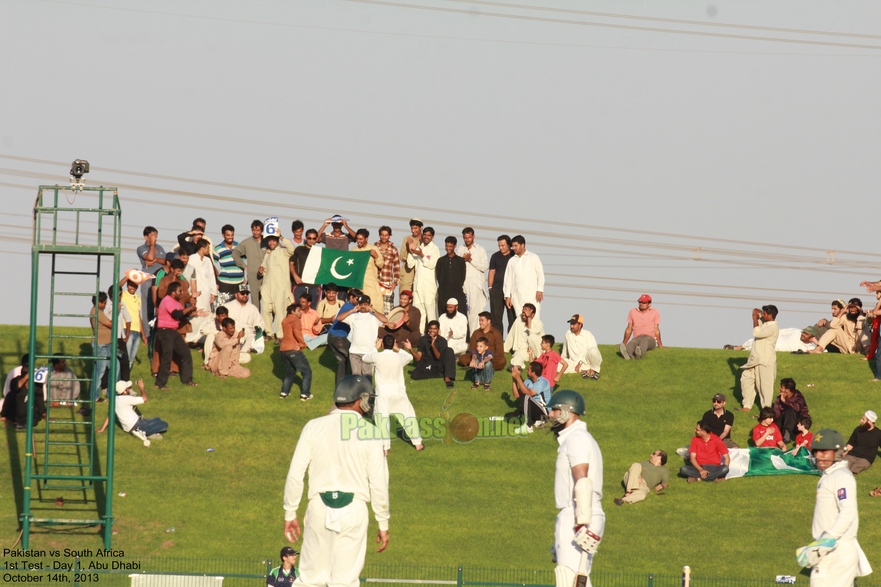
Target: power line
{"points": [[670, 20], [616, 26]]}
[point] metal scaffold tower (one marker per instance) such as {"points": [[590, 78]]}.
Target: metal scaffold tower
{"points": [[64, 456]]}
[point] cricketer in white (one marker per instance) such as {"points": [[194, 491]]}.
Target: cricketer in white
{"points": [[346, 470], [578, 488]]}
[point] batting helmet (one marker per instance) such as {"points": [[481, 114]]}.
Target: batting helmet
{"points": [[352, 388], [828, 439], [571, 399]]}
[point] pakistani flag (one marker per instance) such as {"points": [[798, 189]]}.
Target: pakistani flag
{"points": [[343, 268], [752, 462]]}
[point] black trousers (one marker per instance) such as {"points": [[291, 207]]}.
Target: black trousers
{"points": [[170, 344], [498, 309], [340, 347], [787, 424]]}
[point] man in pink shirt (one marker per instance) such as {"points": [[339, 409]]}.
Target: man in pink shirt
{"points": [[644, 325], [168, 319]]}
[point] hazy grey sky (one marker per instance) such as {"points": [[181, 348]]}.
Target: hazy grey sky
{"points": [[508, 119]]}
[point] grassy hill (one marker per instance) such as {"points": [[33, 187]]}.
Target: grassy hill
{"points": [[488, 503]]}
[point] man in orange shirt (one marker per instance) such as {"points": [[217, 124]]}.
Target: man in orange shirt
{"points": [[291, 348]]}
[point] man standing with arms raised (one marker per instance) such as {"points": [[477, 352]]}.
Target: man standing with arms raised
{"points": [[760, 372], [475, 277], [578, 488], [344, 456], [524, 278]]}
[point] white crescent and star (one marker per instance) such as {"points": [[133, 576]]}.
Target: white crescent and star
{"points": [[333, 270]]}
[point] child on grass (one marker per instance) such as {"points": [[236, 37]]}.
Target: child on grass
{"points": [[766, 434], [805, 437], [550, 360], [482, 364]]}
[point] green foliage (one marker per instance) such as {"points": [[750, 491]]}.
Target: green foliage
{"points": [[488, 503]]}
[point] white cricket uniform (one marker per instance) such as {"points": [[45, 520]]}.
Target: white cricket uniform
{"points": [[577, 447], [425, 281], [524, 277], [339, 459], [475, 282], [836, 516], [520, 339], [788, 341], [459, 325], [581, 348], [391, 393], [246, 316]]}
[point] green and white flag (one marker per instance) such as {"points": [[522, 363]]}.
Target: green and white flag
{"points": [[753, 462], [343, 268]]}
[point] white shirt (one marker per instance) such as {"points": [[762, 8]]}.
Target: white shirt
{"points": [[365, 327], [475, 269], [835, 512], [524, 276], [203, 269], [246, 316], [424, 265], [388, 377], [575, 347], [459, 325], [577, 447], [125, 410], [339, 459], [519, 335]]}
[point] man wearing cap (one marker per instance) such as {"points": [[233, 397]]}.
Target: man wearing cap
{"points": [[336, 239], [287, 573], [139, 427], [494, 342], [475, 277], [246, 317], [404, 321], [276, 288], [580, 350], [454, 327], [835, 556], [524, 335], [344, 457], [644, 476], [411, 242], [644, 325], [247, 255], [450, 271], [760, 371], [424, 259], [862, 447], [708, 455], [364, 322], [524, 278]]}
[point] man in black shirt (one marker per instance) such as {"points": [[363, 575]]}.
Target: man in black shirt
{"points": [[720, 420], [15, 406], [496, 279], [450, 271], [862, 448], [433, 357], [298, 264]]}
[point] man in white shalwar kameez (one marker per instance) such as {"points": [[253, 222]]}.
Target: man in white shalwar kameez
{"points": [[524, 278], [424, 260], [476, 264]]}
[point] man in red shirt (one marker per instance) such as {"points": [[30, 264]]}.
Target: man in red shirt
{"points": [[766, 434], [644, 325], [708, 455]]}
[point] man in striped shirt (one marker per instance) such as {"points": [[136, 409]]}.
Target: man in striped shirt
{"points": [[229, 275]]}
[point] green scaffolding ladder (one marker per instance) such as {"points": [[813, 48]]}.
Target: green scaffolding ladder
{"points": [[68, 445]]}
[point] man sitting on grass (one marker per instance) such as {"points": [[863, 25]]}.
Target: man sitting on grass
{"points": [[644, 476], [709, 457], [130, 420], [535, 393]]}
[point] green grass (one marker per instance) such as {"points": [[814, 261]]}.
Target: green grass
{"points": [[488, 503]]}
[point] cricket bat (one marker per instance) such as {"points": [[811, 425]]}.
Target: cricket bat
{"points": [[581, 579]]}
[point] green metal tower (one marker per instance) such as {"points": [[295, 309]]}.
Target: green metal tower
{"points": [[64, 457]]}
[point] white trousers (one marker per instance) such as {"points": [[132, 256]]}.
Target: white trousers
{"points": [[569, 553], [841, 566], [520, 298], [333, 559], [425, 299], [400, 406], [477, 299], [594, 361]]}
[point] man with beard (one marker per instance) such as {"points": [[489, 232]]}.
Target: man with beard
{"points": [[845, 329], [423, 259], [408, 329], [450, 271], [524, 278], [433, 357], [580, 350], [475, 277], [495, 278], [246, 316], [524, 335], [411, 242], [862, 448], [390, 272], [454, 327], [760, 370]]}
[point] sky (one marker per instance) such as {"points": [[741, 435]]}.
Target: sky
{"points": [[716, 155]]}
